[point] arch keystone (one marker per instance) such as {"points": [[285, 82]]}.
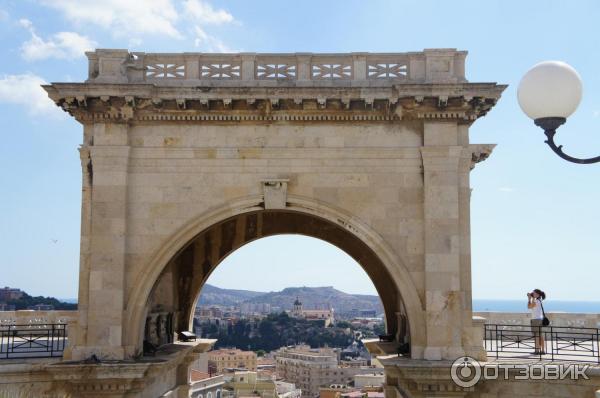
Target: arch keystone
{"points": [[275, 193]]}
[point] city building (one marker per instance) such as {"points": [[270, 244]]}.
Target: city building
{"points": [[228, 360], [204, 385], [311, 369], [354, 362], [287, 390], [325, 315], [9, 293], [41, 307], [255, 308], [368, 323], [358, 313], [248, 384], [342, 391], [208, 312], [266, 368], [375, 379]]}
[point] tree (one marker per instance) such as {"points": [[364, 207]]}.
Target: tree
{"points": [[27, 301]]}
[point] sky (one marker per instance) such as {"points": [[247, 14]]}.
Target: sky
{"points": [[535, 217]]}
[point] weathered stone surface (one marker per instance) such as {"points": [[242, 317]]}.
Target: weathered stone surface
{"points": [[425, 379], [186, 157], [164, 373]]}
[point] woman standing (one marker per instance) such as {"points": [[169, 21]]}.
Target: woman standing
{"points": [[534, 303]]}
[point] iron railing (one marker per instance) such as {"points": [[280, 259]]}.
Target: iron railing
{"points": [[566, 343], [32, 340]]}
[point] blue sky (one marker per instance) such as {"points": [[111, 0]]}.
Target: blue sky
{"points": [[535, 217]]}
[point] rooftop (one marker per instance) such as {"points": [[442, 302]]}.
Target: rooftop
{"points": [[230, 351]]}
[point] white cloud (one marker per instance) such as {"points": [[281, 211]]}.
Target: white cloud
{"points": [[62, 45], [3, 15], [203, 12], [26, 90], [596, 113], [136, 20], [122, 17], [134, 42], [209, 43], [506, 189], [26, 23]]}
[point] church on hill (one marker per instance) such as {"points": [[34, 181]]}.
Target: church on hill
{"points": [[326, 316]]}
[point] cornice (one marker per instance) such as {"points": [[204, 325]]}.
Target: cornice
{"points": [[92, 102]]}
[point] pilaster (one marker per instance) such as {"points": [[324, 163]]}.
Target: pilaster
{"points": [[101, 331], [444, 293]]}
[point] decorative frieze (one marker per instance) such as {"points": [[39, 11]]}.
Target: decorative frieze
{"points": [[284, 105]]}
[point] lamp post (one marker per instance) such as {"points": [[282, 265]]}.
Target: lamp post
{"points": [[549, 93]]}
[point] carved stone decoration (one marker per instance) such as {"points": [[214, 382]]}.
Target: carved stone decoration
{"points": [[387, 70], [480, 152], [275, 193]]}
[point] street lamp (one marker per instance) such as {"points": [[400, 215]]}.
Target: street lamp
{"points": [[549, 93]]}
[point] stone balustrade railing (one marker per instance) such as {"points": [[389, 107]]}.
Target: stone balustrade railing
{"points": [[269, 70], [39, 318]]}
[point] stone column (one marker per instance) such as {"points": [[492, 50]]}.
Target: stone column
{"points": [[101, 333], [444, 293]]}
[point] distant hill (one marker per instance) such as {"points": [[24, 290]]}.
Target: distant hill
{"points": [[311, 297], [212, 295], [26, 302]]}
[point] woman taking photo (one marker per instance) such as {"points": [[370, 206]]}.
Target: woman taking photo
{"points": [[534, 303]]}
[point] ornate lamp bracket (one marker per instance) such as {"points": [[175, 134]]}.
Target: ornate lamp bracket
{"points": [[550, 125]]}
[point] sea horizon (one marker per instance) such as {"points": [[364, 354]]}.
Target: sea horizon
{"points": [[572, 306]]}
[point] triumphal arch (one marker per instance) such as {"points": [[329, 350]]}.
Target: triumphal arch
{"points": [[187, 157]]}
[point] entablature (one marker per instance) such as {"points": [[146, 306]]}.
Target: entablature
{"points": [[301, 87]]}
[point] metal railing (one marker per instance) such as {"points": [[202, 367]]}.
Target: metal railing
{"points": [[32, 341], [564, 343]]}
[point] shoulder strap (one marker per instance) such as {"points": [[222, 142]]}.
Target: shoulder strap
{"points": [[542, 305]]}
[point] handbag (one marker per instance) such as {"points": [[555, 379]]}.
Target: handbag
{"points": [[545, 320]]}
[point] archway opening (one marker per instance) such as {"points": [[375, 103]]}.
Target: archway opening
{"points": [[171, 305], [288, 289]]}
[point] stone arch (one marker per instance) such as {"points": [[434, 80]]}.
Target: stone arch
{"points": [[386, 269]]}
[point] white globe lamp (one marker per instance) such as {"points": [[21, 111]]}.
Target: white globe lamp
{"points": [[549, 93]]}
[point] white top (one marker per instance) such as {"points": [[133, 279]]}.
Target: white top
{"points": [[536, 311]]}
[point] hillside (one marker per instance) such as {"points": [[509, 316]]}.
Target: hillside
{"points": [[212, 295], [27, 302], [311, 297]]}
